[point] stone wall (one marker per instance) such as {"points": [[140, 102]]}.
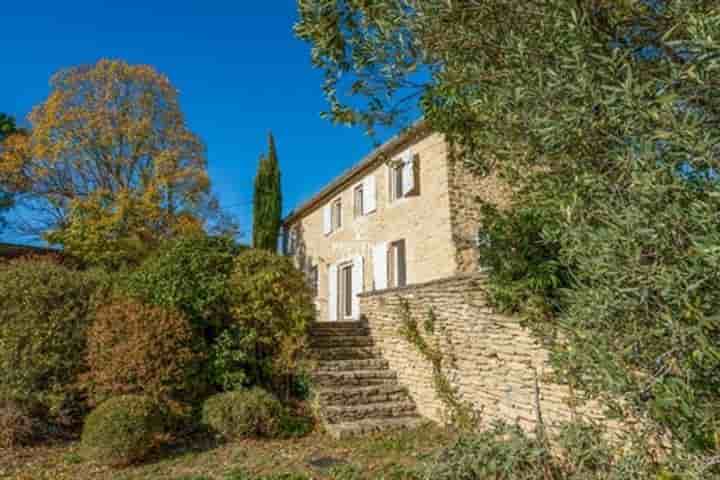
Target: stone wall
{"points": [[468, 190], [494, 357]]}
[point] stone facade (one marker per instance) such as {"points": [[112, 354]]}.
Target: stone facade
{"points": [[492, 359], [439, 224], [422, 220]]}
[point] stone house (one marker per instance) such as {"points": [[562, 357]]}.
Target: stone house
{"points": [[406, 214], [397, 235]]}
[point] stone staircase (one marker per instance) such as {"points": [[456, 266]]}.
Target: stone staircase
{"points": [[355, 390]]}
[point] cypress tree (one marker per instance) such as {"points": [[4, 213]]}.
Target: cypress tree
{"points": [[267, 206]]}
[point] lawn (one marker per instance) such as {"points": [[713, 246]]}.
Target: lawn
{"points": [[317, 456]]}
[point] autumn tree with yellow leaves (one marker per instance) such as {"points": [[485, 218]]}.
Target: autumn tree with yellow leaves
{"points": [[109, 168]]}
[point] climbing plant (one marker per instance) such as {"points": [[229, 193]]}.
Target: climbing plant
{"points": [[460, 414]]}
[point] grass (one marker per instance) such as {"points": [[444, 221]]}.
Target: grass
{"points": [[317, 457]]}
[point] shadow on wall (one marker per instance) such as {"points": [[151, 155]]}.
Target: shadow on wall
{"points": [[297, 248]]}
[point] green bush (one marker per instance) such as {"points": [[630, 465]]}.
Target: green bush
{"points": [[295, 424], [253, 412], [141, 349], [502, 453], [580, 451], [122, 430], [272, 308], [189, 274], [45, 310]]}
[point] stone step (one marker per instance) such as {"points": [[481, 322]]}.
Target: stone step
{"points": [[334, 332], [357, 378], [362, 395], [350, 365], [345, 353], [337, 325], [341, 341], [370, 426], [355, 413]]}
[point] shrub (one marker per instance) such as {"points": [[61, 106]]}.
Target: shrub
{"points": [[45, 310], [122, 430], [253, 412], [580, 451], [502, 453], [21, 422], [189, 274], [272, 308], [140, 349]]}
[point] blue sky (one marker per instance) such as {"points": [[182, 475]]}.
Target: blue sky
{"points": [[239, 69]]}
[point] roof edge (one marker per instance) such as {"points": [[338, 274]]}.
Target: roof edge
{"points": [[419, 128]]}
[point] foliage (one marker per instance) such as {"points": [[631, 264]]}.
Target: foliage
{"points": [[272, 309], [295, 424], [189, 274], [7, 128], [45, 311], [253, 412], [109, 163], [506, 452], [140, 349], [122, 430], [232, 359], [21, 422], [267, 201], [117, 230], [602, 115], [527, 276], [579, 451]]}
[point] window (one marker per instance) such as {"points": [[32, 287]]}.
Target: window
{"points": [[396, 181], [332, 216], [404, 177], [345, 291], [396, 264], [314, 280], [337, 214], [358, 206]]}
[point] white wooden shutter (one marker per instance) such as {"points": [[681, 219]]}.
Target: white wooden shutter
{"points": [[357, 285], [332, 293], [369, 195], [327, 219], [408, 173], [380, 272]]}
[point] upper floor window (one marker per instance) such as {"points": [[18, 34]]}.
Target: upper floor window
{"points": [[404, 176], [358, 201], [332, 216], [336, 214]]}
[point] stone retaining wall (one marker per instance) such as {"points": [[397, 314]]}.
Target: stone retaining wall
{"points": [[495, 358]]}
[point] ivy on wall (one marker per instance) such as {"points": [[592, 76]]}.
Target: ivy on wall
{"points": [[460, 414]]}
